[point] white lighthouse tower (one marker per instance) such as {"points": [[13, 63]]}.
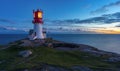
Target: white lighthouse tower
{"points": [[37, 32]]}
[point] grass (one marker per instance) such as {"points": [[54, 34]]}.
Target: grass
{"points": [[12, 61]]}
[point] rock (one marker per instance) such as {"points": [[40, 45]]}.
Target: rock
{"points": [[2, 61], [56, 68], [53, 68], [26, 70], [80, 68], [49, 45], [39, 41], [113, 59], [25, 53], [3, 70], [26, 43]]}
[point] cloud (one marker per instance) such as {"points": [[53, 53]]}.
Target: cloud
{"points": [[117, 26], [7, 28], [104, 8], [62, 22], [107, 31], [105, 24], [12, 28], [104, 19], [7, 21]]}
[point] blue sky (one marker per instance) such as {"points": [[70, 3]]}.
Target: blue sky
{"points": [[16, 15]]}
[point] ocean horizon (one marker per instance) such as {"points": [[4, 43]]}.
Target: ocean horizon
{"points": [[106, 42]]}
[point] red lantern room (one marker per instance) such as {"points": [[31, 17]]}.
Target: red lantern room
{"points": [[37, 17]]}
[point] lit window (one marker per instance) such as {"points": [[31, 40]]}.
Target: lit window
{"points": [[39, 14]]}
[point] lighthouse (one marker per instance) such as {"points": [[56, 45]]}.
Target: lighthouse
{"points": [[37, 32]]}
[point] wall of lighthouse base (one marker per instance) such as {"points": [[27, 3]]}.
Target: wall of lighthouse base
{"points": [[37, 32]]}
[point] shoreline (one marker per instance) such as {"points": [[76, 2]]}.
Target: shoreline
{"points": [[64, 46], [83, 47]]}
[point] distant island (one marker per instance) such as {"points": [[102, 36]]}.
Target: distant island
{"points": [[53, 55]]}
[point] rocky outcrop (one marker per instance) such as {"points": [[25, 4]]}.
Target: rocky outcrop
{"points": [[47, 67], [25, 53], [81, 68], [32, 43], [113, 59], [110, 57], [52, 68], [58, 45]]}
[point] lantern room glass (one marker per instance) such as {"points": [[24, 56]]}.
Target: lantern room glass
{"points": [[39, 14]]}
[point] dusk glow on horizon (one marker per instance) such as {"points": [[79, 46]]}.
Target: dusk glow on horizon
{"points": [[61, 16]]}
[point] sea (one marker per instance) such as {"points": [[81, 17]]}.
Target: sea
{"points": [[106, 42]]}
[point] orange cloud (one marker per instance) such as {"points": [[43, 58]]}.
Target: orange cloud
{"points": [[108, 31]]}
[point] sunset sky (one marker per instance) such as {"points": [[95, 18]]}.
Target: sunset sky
{"points": [[62, 16]]}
